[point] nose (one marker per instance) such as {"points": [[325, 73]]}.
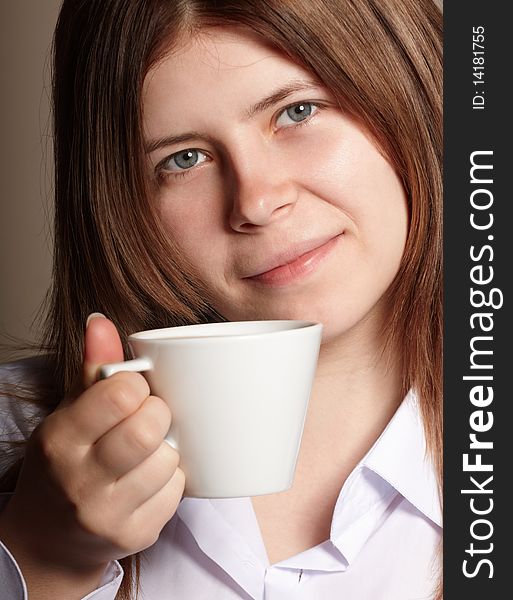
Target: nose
{"points": [[260, 197]]}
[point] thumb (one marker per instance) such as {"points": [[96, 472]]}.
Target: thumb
{"points": [[102, 344]]}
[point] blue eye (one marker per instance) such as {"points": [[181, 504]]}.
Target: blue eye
{"points": [[183, 160], [299, 112], [296, 113]]}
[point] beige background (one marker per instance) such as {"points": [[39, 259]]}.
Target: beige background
{"points": [[26, 28]]}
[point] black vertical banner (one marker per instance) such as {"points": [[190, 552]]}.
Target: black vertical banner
{"points": [[478, 248]]}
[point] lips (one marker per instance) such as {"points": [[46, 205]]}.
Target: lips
{"points": [[294, 262]]}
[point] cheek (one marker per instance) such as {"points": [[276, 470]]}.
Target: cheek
{"points": [[387, 212], [192, 216], [338, 171], [363, 186], [353, 176]]}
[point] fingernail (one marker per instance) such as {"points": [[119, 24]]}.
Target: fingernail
{"points": [[94, 315]]}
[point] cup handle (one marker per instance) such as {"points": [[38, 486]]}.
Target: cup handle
{"points": [[138, 365]]}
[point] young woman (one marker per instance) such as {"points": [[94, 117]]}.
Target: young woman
{"points": [[238, 161]]}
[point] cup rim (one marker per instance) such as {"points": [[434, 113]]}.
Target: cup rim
{"points": [[159, 335]]}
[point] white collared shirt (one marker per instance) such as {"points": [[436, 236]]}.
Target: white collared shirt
{"points": [[384, 540]]}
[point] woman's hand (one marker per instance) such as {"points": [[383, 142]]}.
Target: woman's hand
{"points": [[98, 481]]}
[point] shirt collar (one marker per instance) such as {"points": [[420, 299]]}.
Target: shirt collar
{"points": [[395, 467], [226, 544], [400, 457]]}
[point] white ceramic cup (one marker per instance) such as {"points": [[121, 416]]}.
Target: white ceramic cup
{"points": [[238, 394]]}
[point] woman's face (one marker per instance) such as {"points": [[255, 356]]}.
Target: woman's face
{"points": [[281, 201]]}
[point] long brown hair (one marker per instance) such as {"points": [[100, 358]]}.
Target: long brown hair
{"points": [[380, 58]]}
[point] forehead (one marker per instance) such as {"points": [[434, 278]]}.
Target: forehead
{"points": [[216, 68], [215, 52]]}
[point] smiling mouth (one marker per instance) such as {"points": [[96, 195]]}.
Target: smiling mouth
{"points": [[295, 264]]}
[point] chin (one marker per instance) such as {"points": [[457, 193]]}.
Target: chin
{"points": [[327, 305], [334, 325]]}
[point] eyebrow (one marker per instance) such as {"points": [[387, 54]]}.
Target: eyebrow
{"points": [[260, 106], [171, 140]]}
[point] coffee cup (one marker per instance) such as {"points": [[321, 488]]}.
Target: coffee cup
{"points": [[238, 394]]}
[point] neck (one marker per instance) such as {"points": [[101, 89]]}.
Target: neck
{"points": [[356, 391]]}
